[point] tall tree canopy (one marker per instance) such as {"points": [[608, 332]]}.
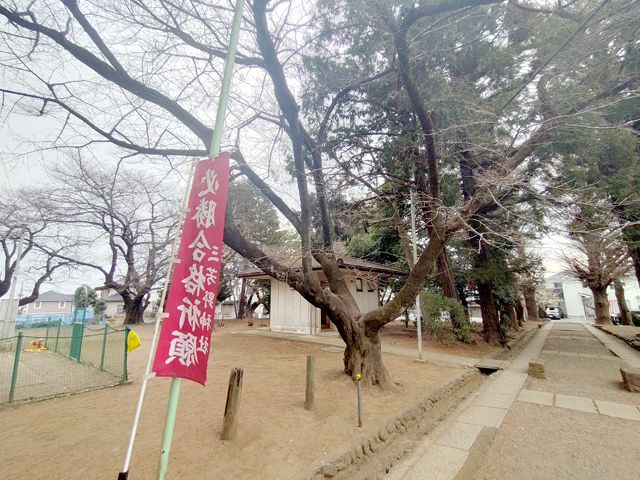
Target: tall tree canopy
{"points": [[349, 95], [123, 224]]}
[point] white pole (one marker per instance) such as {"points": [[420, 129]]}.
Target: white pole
{"points": [[156, 328], [12, 311], [415, 259]]}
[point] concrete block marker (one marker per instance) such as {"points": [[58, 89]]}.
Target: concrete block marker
{"points": [[620, 410], [631, 378], [536, 368], [534, 396], [575, 403]]}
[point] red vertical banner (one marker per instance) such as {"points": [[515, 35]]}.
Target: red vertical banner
{"points": [[185, 338]]}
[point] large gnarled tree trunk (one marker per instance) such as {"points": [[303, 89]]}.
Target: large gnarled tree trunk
{"points": [[490, 321], [622, 302], [601, 303], [242, 299], [134, 307], [529, 292], [363, 354], [447, 280]]}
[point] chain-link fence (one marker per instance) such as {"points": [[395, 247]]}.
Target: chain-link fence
{"points": [[59, 359]]}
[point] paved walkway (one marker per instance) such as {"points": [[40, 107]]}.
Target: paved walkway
{"points": [[578, 423], [333, 339]]}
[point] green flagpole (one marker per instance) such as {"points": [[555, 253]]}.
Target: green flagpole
{"points": [[174, 393]]}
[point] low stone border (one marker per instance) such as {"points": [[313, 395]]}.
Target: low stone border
{"points": [[347, 460], [633, 342], [513, 346]]}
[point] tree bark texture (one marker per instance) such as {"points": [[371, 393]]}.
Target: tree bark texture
{"points": [[510, 311], [622, 302], [242, 301], [601, 303], [490, 321], [529, 293], [134, 308], [520, 309], [447, 279], [364, 355]]}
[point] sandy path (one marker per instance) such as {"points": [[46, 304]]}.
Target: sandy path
{"points": [[85, 436], [540, 442]]}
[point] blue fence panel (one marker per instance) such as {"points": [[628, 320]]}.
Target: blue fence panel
{"points": [[35, 320]]}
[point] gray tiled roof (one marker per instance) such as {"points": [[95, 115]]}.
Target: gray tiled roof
{"points": [[345, 262], [115, 297], [51, 296]]}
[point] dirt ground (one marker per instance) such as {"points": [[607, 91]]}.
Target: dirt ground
{"points": [[52, 372], [629, 334], [397, 334], [85, 436]]}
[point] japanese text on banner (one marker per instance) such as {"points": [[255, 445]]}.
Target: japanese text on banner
{"points": [[184, 345]]}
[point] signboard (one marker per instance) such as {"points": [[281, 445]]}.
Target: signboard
{"points": [[185, 338]]}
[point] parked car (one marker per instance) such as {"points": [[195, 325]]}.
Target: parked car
{"points": [[554, 313], [616, 319]]}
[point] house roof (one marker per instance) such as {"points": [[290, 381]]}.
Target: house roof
{"points": [[114, 297], [51, 296], [556, 277], [345, 262]]}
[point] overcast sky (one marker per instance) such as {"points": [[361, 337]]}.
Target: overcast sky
{"points": [[22, 164]]}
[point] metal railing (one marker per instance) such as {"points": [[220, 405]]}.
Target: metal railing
{"points": [[60, 359]]}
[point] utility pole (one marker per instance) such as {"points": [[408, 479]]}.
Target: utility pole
{"points": [[415, 259], [12, 310]]}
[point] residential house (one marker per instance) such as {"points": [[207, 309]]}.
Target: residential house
{"points": [[115, 304], [50, 303], [226, 310], [576, 300]]}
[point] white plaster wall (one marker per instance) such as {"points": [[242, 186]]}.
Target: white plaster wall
{"points": [[228, 311], [289, 311], [574, 292], [112, 308], [631, 294], [366, 300], [573, 305]]}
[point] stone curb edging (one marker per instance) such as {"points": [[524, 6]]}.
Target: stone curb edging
{"points": [[633, 343], [351, 456], [513, 346]]}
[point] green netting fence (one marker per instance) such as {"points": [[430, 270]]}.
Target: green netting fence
{"points": [[61, 359]]}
